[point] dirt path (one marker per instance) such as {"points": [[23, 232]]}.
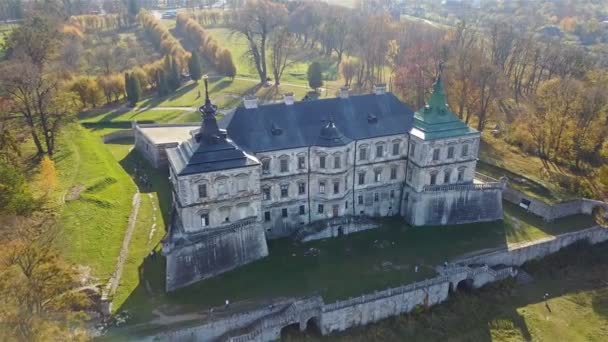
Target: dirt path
{"points": [[124, 250]]}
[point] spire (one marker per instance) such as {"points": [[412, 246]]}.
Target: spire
{"points": [[209, 131], [437, 102]]}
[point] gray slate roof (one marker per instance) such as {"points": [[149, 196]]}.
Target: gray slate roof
{"points": [[279, 126]]}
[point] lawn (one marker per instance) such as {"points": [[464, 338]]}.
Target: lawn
{"points": [[577, 309], [294, 73], [342, 267], [497, 159], [97, 194]]}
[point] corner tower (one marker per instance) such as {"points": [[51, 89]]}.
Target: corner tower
{"points": [[215, 223], [440, 171]]}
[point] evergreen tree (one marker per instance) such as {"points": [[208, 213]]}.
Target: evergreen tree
{"points": [[175, 80], [161, 81], [194, 67], [315, 78], [133, 89]]}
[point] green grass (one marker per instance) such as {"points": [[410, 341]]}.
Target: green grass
{"points": [[294, 73], [344, 267], [93, 222], [577, 308], [145, 237], [526, 173]]}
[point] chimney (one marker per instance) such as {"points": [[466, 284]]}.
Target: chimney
{"points": [[288, 98], [380, 89], [250, 101], [343, 92]]}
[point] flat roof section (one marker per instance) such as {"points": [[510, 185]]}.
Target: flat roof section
{"points": [[168, 134]]}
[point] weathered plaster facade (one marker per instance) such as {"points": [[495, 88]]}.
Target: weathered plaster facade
{"points": [[278, 170]]}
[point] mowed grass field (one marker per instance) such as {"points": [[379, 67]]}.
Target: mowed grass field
{"points": [[575, 279]]}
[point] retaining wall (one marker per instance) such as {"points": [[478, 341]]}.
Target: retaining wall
{"points": [[121, 134], [520, 254]]}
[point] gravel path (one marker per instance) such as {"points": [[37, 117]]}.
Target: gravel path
{"points": [[124, 251]]}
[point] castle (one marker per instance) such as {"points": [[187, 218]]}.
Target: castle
{"points": [[322, 167]]}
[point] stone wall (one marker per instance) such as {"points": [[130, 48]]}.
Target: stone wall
{"points": [[552, 211], [120, 134], [520, 254], [211, 254], [335, 227], [454, 204]]}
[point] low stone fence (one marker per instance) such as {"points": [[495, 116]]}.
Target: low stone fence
{"points": [[460, 187], [522, 253], [552, 212]]}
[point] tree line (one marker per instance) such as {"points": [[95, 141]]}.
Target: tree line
{"points": [[204, 44]]}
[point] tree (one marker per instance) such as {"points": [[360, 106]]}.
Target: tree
{"points": [[226, 65], [283, 51], [133, 89], [37, 97], [88, 91], [47, 175], [37, 38], [38, 298], [315, 78], [348, 70], [161, 81], [194, 67], [256, 21], [171, 71], [15, 198], [133, 8]]}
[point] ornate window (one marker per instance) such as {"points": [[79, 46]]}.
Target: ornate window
{"points": [[337, 161], [301, 188], [205, 220], [284, 212], [361, 178], [265, 166], [302, 210], [320, 209], [379, 150], [222, 186], [322, 160], [465, 150], [393, 172], [301, 162], [266, 193], [241, 182], [336, 187], [202, 190], [363, 153], [321, 187], [284, 164], [376, 197], [225, 213], [267, 216], [284, 190], [461, 173], [450, 152], [360, 199], [412, 149], [436, 154], [433, 178], [447, 176], [377, 175], [396, 145]]}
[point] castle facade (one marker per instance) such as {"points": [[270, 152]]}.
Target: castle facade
{"points": [[276, 170]]}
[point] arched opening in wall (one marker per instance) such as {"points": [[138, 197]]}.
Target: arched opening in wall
{"points": [[465, 285], [313, 328], [288, 332]]}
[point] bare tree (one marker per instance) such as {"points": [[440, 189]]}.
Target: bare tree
{"points": [[283, 52], [256, 21], [36, 97]]}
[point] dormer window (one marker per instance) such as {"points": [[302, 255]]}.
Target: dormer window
{"points": [[371, 118], [276, 130]]}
